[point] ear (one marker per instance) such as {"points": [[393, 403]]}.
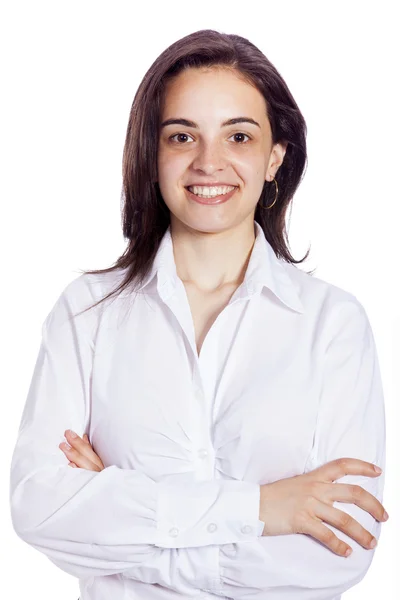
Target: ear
{"points": [[275, 160]]}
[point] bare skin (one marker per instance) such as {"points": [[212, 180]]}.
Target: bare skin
{"points": [[297, 504], [205, 308], [80, 453]]}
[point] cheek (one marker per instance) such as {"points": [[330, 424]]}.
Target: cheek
{"points": [[250, 162], [171, 167]]}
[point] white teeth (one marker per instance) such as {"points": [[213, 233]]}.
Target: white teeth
{"points": [[210, 192]]}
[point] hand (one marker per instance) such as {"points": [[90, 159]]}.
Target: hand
{"points": [[299, 504], [81, 453]]}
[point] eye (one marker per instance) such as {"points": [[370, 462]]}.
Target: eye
{"points": [[245, 134], [180, 134], [186, 135]]}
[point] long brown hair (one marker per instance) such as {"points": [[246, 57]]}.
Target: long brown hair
{"points": [[145, 216]]}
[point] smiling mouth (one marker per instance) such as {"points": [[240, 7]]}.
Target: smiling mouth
{"points": [[233, 187], [211, 200]]}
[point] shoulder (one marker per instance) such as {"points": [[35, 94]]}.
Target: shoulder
{"points": [[324, 301], [89, 288], [77, 299]]}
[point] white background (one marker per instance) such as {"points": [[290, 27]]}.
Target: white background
{"points": [[69, 73]]}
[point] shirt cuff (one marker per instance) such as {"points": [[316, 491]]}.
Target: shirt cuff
{"points": [[202, 513]]}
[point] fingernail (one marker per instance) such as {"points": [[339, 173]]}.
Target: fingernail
{"points": [[378, 469], [373, 543], [385, 516], [72, 433], [66, 446]]}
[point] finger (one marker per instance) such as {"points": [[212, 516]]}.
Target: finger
{"points": [[335, 469], [344, 522], [323, 534], [81, 460], [83, 448], [355, 494]]}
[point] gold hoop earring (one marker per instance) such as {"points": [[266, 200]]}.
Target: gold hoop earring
{"points": [[276, 195]]}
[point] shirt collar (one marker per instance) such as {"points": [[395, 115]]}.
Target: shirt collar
{"points": [[264, 270]]}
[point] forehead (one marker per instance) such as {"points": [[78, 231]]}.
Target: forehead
{"points": [[212, 92]]}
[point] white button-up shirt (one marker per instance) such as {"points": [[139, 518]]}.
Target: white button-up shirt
{"points": [[287, 380]]}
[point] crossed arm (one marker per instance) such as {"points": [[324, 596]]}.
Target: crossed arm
{"points": [[55, 506]]}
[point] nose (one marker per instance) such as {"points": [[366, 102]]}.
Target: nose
{"points": [[210, 157]]}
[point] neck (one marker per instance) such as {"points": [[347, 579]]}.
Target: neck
{"points": [[211, 261]]}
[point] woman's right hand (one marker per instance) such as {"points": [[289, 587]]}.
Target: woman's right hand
{"points": [[299, 504]]}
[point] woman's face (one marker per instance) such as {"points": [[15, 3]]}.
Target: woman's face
{"points": [[206, 151]]}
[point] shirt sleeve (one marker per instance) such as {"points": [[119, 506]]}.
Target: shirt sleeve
{"points": [[101, 523], [350, 423]]}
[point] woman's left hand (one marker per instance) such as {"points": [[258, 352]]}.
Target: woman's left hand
{"points": [[81, 453]]}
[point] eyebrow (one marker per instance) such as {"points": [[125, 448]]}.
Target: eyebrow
{"points": [[187, 123]]}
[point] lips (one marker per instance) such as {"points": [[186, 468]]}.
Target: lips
{"points": [[212, 200]]}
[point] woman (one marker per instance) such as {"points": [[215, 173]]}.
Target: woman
{"points": [[216, 418]]}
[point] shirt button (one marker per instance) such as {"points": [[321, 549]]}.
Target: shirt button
{"points": [[202, 453], [173, 532], [212, 527], [246, 529]]}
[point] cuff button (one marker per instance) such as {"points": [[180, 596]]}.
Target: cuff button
{"points": [[246, 529]]}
